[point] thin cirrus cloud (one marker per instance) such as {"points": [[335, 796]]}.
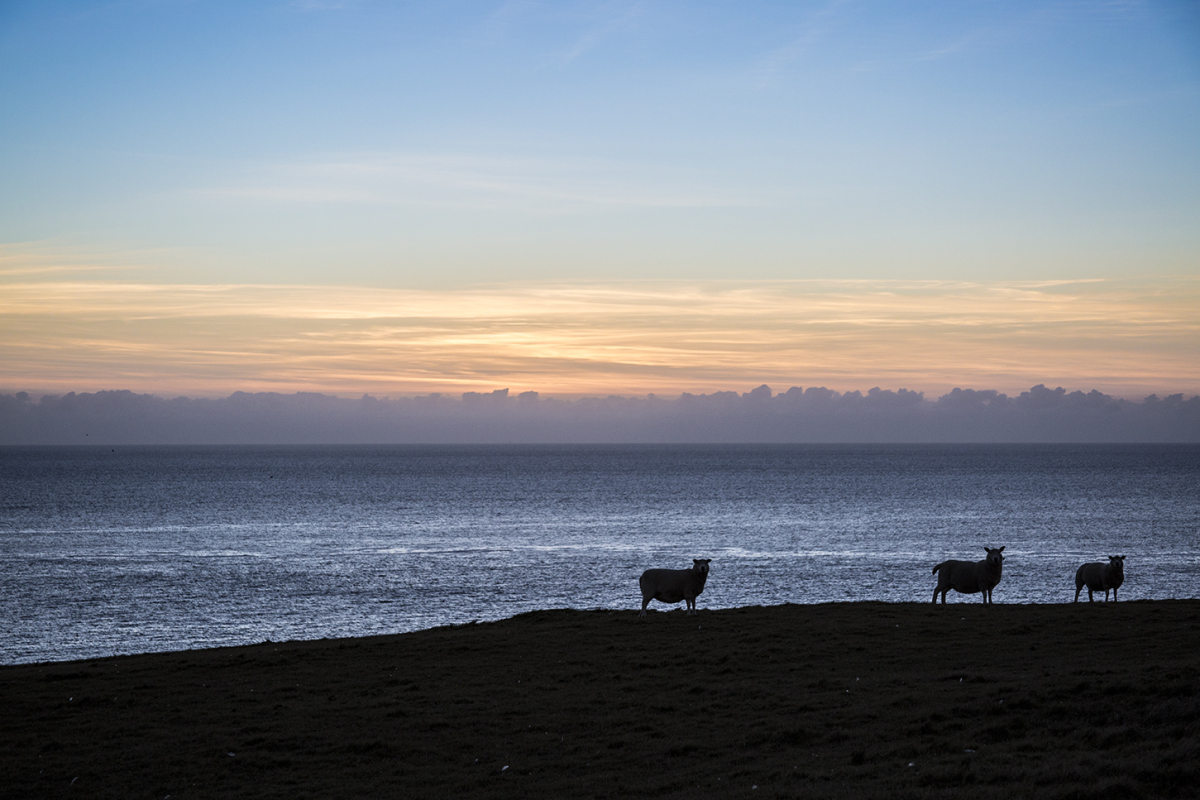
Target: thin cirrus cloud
{"points": [[1127, 338], [596, 35], [814, 29], [456, 181]]}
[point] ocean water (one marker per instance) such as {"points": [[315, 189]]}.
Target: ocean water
{"points": [[123, 550]]}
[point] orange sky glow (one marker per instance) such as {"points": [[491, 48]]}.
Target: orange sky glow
{"points": [[1127, 337]]}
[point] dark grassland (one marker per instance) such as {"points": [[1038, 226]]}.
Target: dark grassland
{"points": [[842, 700]]}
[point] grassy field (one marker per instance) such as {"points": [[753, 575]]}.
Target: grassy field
{"points": [[838, 700]]}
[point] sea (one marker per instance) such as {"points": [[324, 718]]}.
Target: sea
{"points": [[116, 550]]}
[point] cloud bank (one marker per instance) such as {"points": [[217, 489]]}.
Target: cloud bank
{"points": [[812, 415]]}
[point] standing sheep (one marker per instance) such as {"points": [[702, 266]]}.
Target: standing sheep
{"points": [[1099, 576], [970, 577], [673, 585]]}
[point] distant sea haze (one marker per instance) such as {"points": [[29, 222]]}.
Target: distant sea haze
{"points": [[122, 549], [760, 415]]}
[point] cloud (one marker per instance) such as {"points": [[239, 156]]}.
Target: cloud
{"points": [[814, 29], [1129, 338], [814, 414], [457, 181], [27, 259], [944, 51], [323, 5], [604, 30]]}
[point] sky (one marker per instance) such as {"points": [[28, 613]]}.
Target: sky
{"points": [[578, 198]]}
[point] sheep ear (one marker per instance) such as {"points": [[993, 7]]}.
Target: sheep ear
{"points": [[1002, 548]]}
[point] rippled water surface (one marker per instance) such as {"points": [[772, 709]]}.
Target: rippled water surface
{"points": [[124, 550]]}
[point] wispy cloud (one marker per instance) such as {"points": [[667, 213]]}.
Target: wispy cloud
{"points": [[50, 269], [618, 19], [475, 182], [41, 258], [323, 5], [1003, 30], [507, 15], [812, 30], [945, 51], [1129, 338]]}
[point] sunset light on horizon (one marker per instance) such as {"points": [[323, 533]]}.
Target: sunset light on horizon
{"points": [[593, 199], [1124, 338]]}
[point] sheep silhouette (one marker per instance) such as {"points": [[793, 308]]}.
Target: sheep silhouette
{"points": [[1099, 576], [673, 585], [970, 577]]}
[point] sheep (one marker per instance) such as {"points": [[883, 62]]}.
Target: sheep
{"points": [[1099, 576], [969, 577], [673, 585]]}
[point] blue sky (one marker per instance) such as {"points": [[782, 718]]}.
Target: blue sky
{"points": [[444, 146]]}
